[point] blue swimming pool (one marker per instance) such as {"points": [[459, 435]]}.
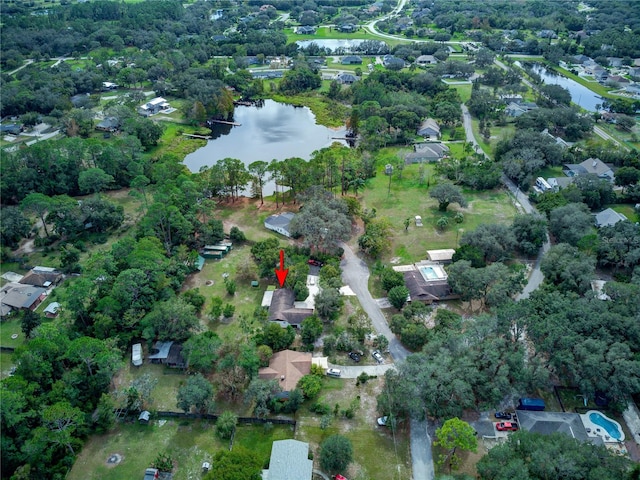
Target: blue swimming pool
{"points": [[431, 273], [612, 427]]}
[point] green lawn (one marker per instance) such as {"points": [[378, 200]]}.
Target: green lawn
{"points": [[165, 392], [10, 327], [627, 210], [409, 197], [5, 364]]}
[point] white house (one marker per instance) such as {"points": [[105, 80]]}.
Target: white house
{"points": [[279, 223]]}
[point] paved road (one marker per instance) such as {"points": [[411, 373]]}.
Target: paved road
{"points": [[355, 274], [536, 277]]}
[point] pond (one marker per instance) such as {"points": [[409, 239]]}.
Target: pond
{"points": [[345, 45], [272, 131], [580, 95]]}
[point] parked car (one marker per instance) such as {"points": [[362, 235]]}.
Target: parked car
{"points": [[382, 421], [315, 263], [503, 415], [334, 372], [151, 474], [506, 426], [378, 356], [355, 356]]}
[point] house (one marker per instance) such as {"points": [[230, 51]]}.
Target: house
{"points": [[283, 310], [508, 98], [558, 140], [109, 124], [153, 106], [268, 74], [615, 62], [423, 60], [169, 354], [619, 79], [306, 30], [515, 110], [288, 367], [11, 129], [427, 152], [421, 290], [558, 183], [351, 60], [346, 78], [581, 59], [547, 423], [279, 223], [599, 73], [634, 72], [289, 461], [429, 128], [17, 296], [608, 218], [389, 61], [348, 28], [593, 166], [546, 34], [42, 277]]}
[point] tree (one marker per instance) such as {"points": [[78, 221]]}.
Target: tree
{"points": [[495, 241], [564, 457], [530, 232], [310, 385], [446, 193], [146, 130], [376, 238], [276, 337], [260, 393], [62, 420], [398, 296], [170, 320], [323, 222], [455, 434], [626, 176], [570, 223], [236, 464], [197, 392], [94, 180], [37, 204], [328, 303], [619, 245], [226, 424], [390, 278], [336, 453], [14, 226], [311, 330], [568, 268], [493, 284], [29, 322], [202, 351]]}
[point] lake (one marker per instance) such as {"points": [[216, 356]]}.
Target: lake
{"points": [[272, 131], [580, 95], [345, 45]]}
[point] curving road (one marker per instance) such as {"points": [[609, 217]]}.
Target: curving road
{"points": [[355, 274]]}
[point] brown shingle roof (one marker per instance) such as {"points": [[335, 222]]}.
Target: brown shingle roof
{"points": [[288, 364], [282, 308], [421, 290]]}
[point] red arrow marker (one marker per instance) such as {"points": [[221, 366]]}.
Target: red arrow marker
{"points": [[281, 272]]}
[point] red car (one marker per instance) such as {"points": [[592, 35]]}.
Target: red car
{"points": [[315, 263], [506, 426]]}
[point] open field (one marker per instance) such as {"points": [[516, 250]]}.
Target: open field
{"points": [[188, 442], [409, 197], [8, 328]]}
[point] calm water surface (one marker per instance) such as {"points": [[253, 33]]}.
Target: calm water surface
{"points": [[273, 131]]}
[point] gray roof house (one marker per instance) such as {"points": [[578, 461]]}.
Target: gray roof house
{"points": [[428, 292], [427, 152], [546, 423], [19, 296], [283, 310], [429, 128], [169, 354], [289, 461], [109, 124], [306, 30], [346, 78], [608, 218], [593, 166], [389, 61], [351, 60], [426, 60], [279, 223], [515, 110]]}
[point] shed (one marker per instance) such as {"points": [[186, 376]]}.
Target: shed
{"points": [[444, 256], [51, 311], [144, 417], [279, 223]]}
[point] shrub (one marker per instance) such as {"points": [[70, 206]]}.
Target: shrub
{"points": [[228, 310]]}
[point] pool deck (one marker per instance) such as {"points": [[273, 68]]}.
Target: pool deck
{"points": [[595, 430]]}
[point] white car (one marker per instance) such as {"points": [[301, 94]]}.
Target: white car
{"points": [[418, 221], [377, 356], [334, 372], [136, 354]]}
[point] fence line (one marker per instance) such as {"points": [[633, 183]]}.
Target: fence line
{"points": [[210, 416]]}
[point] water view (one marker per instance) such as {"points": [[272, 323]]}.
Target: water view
{"points": [[580, 95], [272, 131], [333, 44]]}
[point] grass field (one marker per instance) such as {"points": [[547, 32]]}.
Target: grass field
{"points": [[10, 327], [189, 443], [5, 364], [409, 197]]}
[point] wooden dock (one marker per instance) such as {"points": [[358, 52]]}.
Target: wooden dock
{"points": [[224, 122], [202, 137]]}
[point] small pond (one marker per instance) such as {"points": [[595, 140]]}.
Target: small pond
{"points": [[345, 45], [271, 131]]}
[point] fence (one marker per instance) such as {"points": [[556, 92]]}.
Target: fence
{"points": [[210, 416]]}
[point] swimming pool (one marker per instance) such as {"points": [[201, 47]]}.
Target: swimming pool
{"points": [[432, 273], [612, 428]]}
